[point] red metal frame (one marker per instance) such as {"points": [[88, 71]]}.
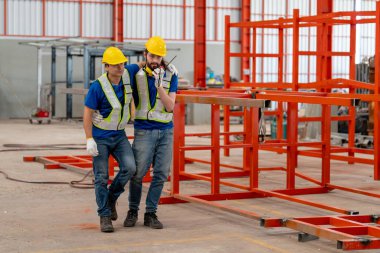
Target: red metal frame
{"points": [[351, 232], [78, 163], [245, 38], [200, 44], [324, 83]]}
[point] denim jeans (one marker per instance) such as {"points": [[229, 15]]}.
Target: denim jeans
{"points": [[150, 147], [120, 148]]}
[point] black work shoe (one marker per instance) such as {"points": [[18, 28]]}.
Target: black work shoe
{"points": [[151, 220], [131, 218], [112, 206], [106, 224]]}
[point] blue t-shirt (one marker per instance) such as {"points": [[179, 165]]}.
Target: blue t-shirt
{"points": [[97, 100], [149, 124]]}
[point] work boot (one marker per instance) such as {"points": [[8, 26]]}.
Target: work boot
{"points": [[151, 220], [106, 224], [112, 206], [131, 219]]}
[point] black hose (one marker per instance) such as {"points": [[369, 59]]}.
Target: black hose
{"points": [[27, 147], [74, 183]]}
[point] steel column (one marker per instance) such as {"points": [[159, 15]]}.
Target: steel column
{"points": [[5, 17], [200, 43], [215, 149], [118, 21], [376, 131], [245, 40], [326, 144], [227, 81], [43, 18], [69, 82], [53, 79], [178, 143]]}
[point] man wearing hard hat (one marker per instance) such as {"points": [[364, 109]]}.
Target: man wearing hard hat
{"points": [[110, 97], [154, 92]]}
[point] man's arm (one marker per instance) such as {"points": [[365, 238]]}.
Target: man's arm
{"points": [[87, 121]]}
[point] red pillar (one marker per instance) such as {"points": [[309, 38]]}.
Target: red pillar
{"points": [[245, 40], [215, 151], [118, 21], [324, 7], [200, 43], [376, 129], [178, 142]]}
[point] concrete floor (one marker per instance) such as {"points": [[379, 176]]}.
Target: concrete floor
{"points": [[58, 218]]}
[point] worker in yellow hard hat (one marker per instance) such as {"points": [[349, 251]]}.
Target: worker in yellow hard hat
{"points": [[106, 114], [154, 92]]}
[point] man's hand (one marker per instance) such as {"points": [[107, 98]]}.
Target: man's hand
{"points": [[91, 147], [158, 74], [96, 118], [172, 69]]}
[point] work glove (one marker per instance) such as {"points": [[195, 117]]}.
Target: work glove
{"points": [[91, 147], [158, 74], [172, 69], [96, 118]]}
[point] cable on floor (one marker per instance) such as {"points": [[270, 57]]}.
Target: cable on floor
{"points": [[75, 183]]}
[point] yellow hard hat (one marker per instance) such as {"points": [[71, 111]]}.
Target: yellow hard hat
{"points": [[113, 56], [156, 45]]}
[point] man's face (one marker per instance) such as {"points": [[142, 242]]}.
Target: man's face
{"points": [[153, 61], [115, 70]]}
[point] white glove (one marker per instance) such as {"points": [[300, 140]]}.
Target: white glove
{"points": [[96, 118], [92, 148], [158, 74], [172, 69]]}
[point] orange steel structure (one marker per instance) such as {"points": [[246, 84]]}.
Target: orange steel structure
{"points": [[351, 233], [362, 236], [323, 85], [357, 232]]}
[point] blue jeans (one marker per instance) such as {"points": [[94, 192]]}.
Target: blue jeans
{"points": [[120, 148], [150, 147]]}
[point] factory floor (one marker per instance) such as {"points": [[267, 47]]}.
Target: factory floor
{"points": [[52, 218]]}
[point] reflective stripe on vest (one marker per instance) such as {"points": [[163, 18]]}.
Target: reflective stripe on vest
{"points": [[114, 121], [144, 111]]}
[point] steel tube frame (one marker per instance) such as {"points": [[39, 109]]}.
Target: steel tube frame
{"points": [[324, 83]]}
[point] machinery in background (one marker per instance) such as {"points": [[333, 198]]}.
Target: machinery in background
{"points": [[42, 114]]}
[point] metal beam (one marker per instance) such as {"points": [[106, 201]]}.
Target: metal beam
{"points": [[118, 21], [200, 43], [245, 40]]}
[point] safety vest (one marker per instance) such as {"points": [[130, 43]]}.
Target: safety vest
{"points": [[144, 111], [119, 116]]}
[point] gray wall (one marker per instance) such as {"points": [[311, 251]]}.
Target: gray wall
{"points": [[18, 77]]}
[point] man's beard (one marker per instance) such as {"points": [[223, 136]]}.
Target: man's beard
{"points": [[152, 66]]}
